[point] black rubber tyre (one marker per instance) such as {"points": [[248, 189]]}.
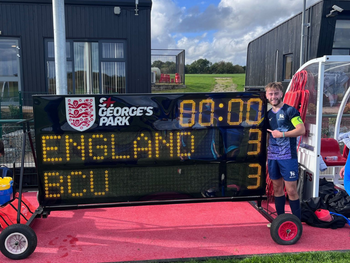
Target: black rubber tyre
{"points": [[17, 241], [286, 229]]}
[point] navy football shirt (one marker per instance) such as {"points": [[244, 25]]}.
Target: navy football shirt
{"points": [[282, 148]]}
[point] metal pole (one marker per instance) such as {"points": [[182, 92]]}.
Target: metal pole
{"points": [[59, 31], [315, 165], [20, 187], [302, 34], [20, 104]]}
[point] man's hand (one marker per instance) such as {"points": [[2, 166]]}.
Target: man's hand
{"points": [[275, 133], [341, 173]]}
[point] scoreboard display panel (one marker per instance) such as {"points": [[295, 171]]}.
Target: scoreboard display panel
{"points": [[122, 148]]}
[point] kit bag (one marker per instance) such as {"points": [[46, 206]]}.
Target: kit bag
{"points": [[339, 203], [336, 200], [8, 212], [308, 215], [326, 189]]}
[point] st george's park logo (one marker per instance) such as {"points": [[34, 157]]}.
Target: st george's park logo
{"points": [[80, 112]]}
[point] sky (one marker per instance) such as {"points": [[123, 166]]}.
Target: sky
{"points": [[217, 30]]}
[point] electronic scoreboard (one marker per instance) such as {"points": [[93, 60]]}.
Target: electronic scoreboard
{"points": [[122, 148]]}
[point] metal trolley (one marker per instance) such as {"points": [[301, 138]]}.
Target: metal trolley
{"points": [[18, 241]]}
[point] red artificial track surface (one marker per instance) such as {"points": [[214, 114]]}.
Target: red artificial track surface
{"points": [[164, 232]]}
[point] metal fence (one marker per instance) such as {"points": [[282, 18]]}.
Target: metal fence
{"points": [[12, 132], [12, 137], [168, 63], [12, 125]]}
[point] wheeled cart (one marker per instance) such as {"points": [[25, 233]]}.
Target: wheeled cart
{"points": [[109, 150], [18, 241]]}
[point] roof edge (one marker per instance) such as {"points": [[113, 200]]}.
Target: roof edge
{"points": [[142, 3]]}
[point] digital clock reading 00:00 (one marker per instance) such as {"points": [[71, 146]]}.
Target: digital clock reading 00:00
{"points": [[233, 112], [104, 148]]}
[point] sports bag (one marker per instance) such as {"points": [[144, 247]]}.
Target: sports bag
{"points": [[339, 203], [8, 212], [308, 215]]}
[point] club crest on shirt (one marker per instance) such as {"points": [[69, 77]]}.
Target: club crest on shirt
{"points": [[281, 116]]}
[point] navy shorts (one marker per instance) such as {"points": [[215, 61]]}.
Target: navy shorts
{"points": [[288, 169]]}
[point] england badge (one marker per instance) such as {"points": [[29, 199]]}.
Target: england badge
{"points": [[80, 112]]}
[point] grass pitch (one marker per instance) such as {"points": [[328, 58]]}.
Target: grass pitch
{"points": [[206, 82]]}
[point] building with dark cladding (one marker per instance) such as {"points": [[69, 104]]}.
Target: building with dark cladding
{"points": [[275, 56], [108, 46]]}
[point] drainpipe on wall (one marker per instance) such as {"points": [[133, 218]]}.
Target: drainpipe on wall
{"points": [[59, 31]]}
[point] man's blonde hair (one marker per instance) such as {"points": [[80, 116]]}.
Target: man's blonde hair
{"points": [[274, 85]]}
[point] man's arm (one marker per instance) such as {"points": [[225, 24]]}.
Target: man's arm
{"points": [[299, 130]]}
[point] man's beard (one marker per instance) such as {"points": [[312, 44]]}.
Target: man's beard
{"points": [[275, 102]]}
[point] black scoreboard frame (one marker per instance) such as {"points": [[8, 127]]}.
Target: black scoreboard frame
{"points": [[138, 149]]}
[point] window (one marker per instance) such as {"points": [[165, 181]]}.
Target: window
{"points": [[9, 71], [86, 68], [341, 45], [92, 67], [113, 68], [287, 66], [51, 74]]}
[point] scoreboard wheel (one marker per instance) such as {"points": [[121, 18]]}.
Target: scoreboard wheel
{"points": [[286, 229], [18, 241]]}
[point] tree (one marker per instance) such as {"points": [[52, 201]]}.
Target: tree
{"points": [[220, 67], [229, 68], [157, 64], [192, 69], [238, 69], [223, 67], [201, 66], [169, 67]]}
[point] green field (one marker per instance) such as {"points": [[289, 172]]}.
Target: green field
{"points": [[206, 82], [307, 257]]}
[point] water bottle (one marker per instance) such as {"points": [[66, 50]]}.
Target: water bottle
{"points": [[331, 158]]}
